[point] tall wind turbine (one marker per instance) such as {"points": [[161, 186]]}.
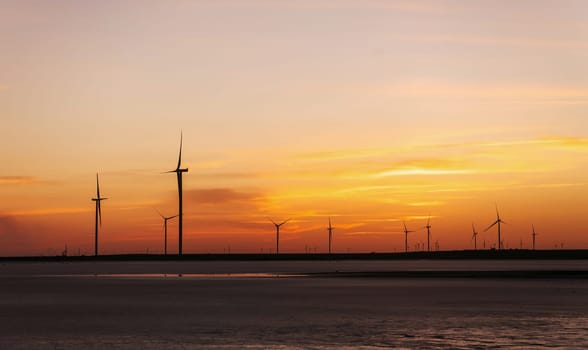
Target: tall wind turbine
{"points": [[534, 235], [497, 222], [165, 220], [179, 171], [428, 227], [406, 232], [330, 229], [98, 218], [278, 233], [475, 236]]}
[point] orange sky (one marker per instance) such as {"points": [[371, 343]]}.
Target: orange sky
{"points": [[369, 112]]}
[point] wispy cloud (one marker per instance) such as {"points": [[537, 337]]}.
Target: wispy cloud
{"points": [[415, 6], [421, 171], [47, 211], [18, 180], [510, 41], [219, 196], [511, 91]]}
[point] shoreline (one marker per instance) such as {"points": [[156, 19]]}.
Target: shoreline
{"points": [[513, 254]]}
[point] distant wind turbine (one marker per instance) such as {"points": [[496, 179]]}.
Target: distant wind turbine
{"points": [[98, 216], [497, 222], [165, 220], [475, 236], [330, 229], [179, 171], [533, 235], [278, 233], [406, 232], [428, 227]]}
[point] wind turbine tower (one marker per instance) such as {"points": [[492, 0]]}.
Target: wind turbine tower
{"points": [[406, 232], [98, 215], [330, 229], [533, 235], [497, 223], [475, 236], [428, 227], [179, 171], [278, 233], [165, 220]]}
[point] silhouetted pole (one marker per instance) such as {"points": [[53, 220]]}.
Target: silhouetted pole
{"points": [[499, 241], [96, 229], [277, 239], [180, 208], [330, 234], [406, 242], [165, 236]]}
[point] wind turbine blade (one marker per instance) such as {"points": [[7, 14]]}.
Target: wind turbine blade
{"points": [[283, 222], [160, 214], [272, 221], [171, 217], [497, 214], [429, 220], [180, 157], [489, 227], [97, 187]]}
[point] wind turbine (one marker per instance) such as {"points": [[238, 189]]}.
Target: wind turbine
{"points": [[179, 171], [475, 236], [278, 233], [533, 235], [330, 229], [165, 220], [428, 227], [98, 218], [406, 232], [497, 222]]}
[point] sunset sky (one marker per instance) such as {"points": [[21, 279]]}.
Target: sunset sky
{"points": [[371, 112]]}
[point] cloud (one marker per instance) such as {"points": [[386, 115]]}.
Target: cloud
{"points": [[48, 211], [219, 196], [510, 41], [418, 6], [424, 167], [18, 180], [456, 90], [7, 224]]}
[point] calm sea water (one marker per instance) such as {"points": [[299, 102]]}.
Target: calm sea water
{"points": [[64, 306]]}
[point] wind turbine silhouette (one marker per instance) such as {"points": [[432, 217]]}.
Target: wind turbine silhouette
{"points": [[179, 171], [497, 222], [98, 216], [428, 227], [278, 233], [533, 235], [406, 232], [330, 229], [475, 236], [165, 220]]}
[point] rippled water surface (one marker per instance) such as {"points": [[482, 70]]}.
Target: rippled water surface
{"points": [[40, 309]]}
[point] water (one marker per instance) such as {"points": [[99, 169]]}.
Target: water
{"points": [[41, 310]]}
